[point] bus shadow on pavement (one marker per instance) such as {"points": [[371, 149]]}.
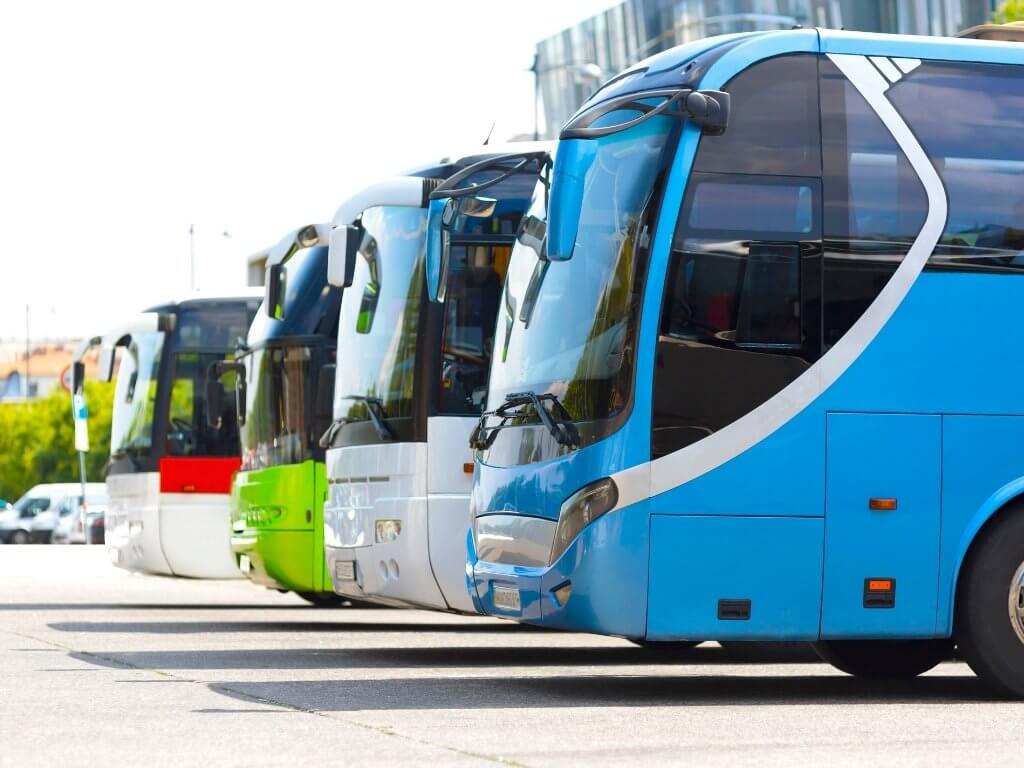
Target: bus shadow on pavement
{"points": [[152, 607], [446, 693], [439, 658], [204, 627]]}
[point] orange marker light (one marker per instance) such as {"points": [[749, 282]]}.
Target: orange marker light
{"points": [[880, 585], [468, 468], [882, 505]]}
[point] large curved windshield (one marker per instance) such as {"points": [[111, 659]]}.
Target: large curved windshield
{"points": [[568, 327], [131, 430], [379, 318], [281, 388]]}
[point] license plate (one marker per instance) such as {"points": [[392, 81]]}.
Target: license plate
{"points": [[345, 570], [244, 564], [506, 598]]}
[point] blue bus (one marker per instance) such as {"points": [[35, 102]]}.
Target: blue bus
{"points": [[754, 382]]}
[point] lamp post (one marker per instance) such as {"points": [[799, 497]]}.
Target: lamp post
{"points": [[582, 70]]}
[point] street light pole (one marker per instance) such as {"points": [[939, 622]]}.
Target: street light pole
{"points": [[192, 257], [28, 350]]}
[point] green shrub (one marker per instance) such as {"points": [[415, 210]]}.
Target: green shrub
{"points": [[37, 442]]}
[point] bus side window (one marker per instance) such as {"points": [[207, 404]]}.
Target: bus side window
{"points": [[874, 204], [740, 311], [979, 156], [742, 307]]}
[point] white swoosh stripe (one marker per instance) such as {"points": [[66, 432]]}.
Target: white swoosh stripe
{"points": [[675, 469]]}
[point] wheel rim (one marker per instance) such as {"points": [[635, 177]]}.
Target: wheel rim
{"points": [[1017, 603]]}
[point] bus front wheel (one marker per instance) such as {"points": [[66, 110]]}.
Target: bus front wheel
{"points": [[990, 606], [884, 659]]}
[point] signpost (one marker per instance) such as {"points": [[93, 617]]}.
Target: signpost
{"points": [[81, 416]]}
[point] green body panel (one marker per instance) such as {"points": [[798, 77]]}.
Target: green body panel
{"points": [[277, 522]]}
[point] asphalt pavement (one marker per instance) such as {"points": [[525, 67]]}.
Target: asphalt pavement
{"points": [[102, 667]]}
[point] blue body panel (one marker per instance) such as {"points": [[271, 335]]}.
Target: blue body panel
{"points": [[774, 562], [884, 456], [928, 411]]}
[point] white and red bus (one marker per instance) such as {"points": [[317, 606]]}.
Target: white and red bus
{"points": [[169, 475]]}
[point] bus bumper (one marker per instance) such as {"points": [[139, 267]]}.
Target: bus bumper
{"points": [[599, 584]]}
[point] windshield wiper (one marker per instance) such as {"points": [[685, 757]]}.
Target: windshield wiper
{"points": [[376, 413], [557, 420]]}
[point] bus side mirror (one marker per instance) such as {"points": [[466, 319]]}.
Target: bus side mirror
{"points": [[575, 156], [105, 366], [341, 255], [215, 391], [276, 286], [436, 247], [214, 396], [324, 404]]}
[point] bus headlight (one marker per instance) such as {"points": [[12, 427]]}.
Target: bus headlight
{"points": [[580, 510]]}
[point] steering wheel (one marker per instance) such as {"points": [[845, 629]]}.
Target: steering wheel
{"points": [[181, 424]]}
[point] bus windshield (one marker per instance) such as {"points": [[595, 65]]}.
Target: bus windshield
{"points": [[380, 316], [131, 431], [568, 327], [279, 426]]}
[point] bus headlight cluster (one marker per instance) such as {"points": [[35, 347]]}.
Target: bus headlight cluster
{"points": [[580, 510], [387, 530]]}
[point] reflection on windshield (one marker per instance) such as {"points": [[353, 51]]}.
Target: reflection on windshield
{"points": [[277, 429], [568, 327], [131, 430], [380, 314]]}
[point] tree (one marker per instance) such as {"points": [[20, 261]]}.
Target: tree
{"points": [[1010, 10], [37, 442]]}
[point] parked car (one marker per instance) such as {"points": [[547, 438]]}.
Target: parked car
{"points": [[33, 517], [66, 500], [69, 528], [16, 522]]}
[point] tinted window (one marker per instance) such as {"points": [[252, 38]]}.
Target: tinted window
{"points": [[188, 430], [214, 326], [476, 274], [969, 117], [773, 127], [741, 312], [874, 204], [280, 426]]}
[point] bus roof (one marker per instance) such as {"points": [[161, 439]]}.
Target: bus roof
{"points": [[685, 65]]}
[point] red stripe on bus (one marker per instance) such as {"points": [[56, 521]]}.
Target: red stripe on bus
{"points": [[198, 475]]}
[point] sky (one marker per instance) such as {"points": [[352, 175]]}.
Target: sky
{"points": [[125, 124]]}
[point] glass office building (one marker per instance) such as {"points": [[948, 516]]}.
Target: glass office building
{"points": [[572, 63]]}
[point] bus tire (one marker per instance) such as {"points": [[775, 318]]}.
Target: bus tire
{"points": [[990, 606], [884, 659]]}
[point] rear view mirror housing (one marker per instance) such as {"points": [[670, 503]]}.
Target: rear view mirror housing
{"points": [[215, 391], [575, 156], [276, 287], [435, 246], [105, 363], [341, 255]]}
